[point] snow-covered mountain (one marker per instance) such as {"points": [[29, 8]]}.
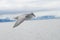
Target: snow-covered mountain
{"points": [[10, 18], [6, 20], [46, 17]]}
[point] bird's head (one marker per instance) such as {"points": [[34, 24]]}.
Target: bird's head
{"points": [[32, 14]]}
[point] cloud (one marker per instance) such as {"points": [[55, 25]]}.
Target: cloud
{"points": [[28, 4], [6, 4], [36, 5]]}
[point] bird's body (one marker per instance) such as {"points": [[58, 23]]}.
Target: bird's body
{"points": [[23, 17]]}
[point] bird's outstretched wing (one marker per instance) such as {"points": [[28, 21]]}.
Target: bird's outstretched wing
{"points": [[19, 21]]}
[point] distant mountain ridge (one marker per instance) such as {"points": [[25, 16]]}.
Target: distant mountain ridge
{"points": [[7, 19], [46, 17]]}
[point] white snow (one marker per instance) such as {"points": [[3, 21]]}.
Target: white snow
{"points": [[31, 30]]}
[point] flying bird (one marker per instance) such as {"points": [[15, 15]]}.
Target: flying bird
{"points": [[22, 18]]}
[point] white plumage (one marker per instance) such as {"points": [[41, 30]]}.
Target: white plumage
{"points": [[23, 17]]}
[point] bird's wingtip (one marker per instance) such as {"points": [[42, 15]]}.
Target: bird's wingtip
{"points": [[14, 26]]}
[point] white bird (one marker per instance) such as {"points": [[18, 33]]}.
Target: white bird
{"points": [[23, 17]]}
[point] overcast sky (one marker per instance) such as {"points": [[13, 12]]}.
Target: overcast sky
{"points": [[29, 4]]}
